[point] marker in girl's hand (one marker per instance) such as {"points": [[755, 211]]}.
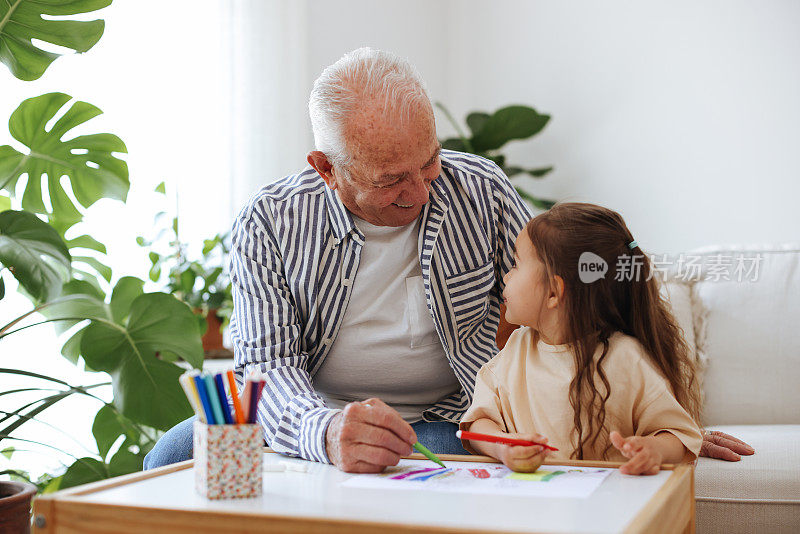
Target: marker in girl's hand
{"points": [[475, 436]]}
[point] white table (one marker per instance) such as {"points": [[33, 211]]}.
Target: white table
{"points": [[164, 500]]}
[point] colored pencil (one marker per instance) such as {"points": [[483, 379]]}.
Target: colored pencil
{"points": [[223, 399], [191, 393], [428, 454], [237, 405], [211, 390], [475, 436], [201, 392]]}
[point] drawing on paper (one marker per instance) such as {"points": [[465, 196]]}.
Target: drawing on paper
{"points": [[477, 477]]}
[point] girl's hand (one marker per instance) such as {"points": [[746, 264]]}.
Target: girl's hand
{"points": [[520, 458], [645, 457]]}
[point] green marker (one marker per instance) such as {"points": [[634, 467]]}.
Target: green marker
{"points": [[428, 454]]}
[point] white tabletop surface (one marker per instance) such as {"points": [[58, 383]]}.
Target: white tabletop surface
{"points": [[318, 494]]}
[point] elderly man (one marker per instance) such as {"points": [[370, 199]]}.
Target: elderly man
{"points": [[367, 287]]}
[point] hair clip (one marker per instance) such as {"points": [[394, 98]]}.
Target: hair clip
{"points": [[633, 244]]}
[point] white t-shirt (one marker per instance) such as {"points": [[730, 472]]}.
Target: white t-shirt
{"points": [[387, 345]]}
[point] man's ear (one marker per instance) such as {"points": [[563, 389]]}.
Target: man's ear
{"points": [[320, 162], [556, 296]]}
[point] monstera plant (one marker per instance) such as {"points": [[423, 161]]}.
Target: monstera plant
{"points": [[133, 336]]}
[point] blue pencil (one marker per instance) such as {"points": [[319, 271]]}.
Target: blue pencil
{"points": [[201, 392], [213, 397], [223, 399]]}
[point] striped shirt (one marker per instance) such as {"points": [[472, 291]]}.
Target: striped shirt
{"points": [[294, 257]]}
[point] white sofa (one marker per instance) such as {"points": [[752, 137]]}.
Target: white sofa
{"points": [[746, 335]]}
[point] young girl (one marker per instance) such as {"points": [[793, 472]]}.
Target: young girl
{"points": [[599, 368]]}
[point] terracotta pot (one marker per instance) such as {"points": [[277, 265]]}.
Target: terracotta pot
{"points": [[212, 339], [15, 507]]}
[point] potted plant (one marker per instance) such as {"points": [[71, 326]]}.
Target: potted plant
{"points": [[15, 506], [489, 132], [200, 279], [131, 335]]}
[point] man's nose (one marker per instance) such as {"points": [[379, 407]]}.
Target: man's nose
{"points": [[419, 190]]}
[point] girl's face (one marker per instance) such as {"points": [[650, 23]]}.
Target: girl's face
{"points": [[528, 297]]}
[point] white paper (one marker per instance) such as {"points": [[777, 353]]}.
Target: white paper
{"points": [[476, 477]]}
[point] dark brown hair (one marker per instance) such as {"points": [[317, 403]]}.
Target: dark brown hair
{"points": [[592, 312]]}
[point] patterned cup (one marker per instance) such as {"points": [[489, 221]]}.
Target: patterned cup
{"points": [[228, 460]]}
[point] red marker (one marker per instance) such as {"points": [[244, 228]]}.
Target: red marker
{"points": [[474, 436]]}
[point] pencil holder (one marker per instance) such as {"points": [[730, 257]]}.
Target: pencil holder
{"points": [[228, 460]]}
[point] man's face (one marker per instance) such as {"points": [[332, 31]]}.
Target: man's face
{"points": [[393, 166]]}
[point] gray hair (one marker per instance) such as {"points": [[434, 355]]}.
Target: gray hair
{"points": [[363, 74]]}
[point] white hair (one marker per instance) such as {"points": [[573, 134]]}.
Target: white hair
{"points": [[363, 75]]}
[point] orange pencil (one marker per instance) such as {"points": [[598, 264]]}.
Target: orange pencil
{"points": [[237, 405]]}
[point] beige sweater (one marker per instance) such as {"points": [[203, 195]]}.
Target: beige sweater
{"points": [[525, 388]]}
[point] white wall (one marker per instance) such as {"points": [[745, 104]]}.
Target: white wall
{"points": [[683, 116]]}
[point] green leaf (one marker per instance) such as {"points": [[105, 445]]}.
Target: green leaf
{"points": [[2, 288], [71, 350], [476, 121], [77, 287], [500, 159], [7, 452], [454, 143], [83, 287], [83, 471], [124, 462], [161, 188], [512, 171], [187, 279], [86, 241], [128, 289], [34, 252], [506, 124], [538, 173], [21, 21], [155, 274], [212, 277], [154, 257], [537, 202], [146, 389], [51, 156], [5, 203], [106, 428], [101, 268], [209, 244], [76, 307]]}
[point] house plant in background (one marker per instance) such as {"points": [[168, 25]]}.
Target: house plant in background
{"points": [[197, 277], [115, 329], [490, 132]]}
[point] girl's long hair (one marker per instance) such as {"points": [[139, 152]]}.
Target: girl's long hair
{"points": [[626, 299]]}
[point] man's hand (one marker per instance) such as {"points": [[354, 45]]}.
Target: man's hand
{"points": [[721, 446], [367, 436], [644, 456], [520, 458]]}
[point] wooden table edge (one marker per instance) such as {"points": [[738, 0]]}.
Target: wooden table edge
{"points": [[44, 506], [674, 499]]}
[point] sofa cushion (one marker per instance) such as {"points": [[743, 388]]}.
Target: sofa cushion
{"points": [[760, 493], [747, 331], [679, 296]]}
